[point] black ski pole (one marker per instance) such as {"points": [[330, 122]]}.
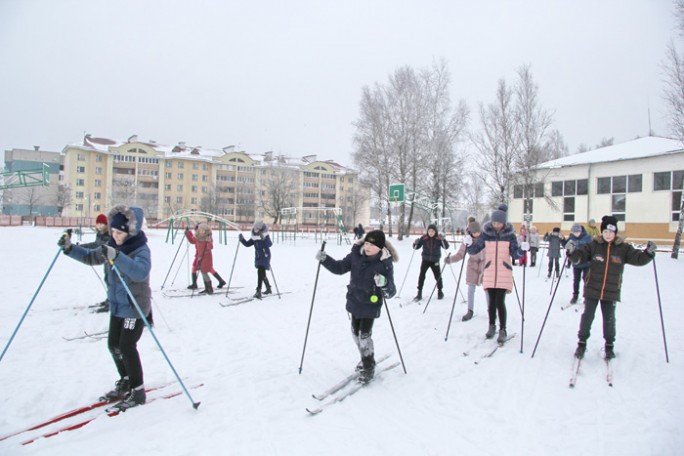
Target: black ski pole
{"points": [[453, 305], [313, 298], [21, 320], [436, 283], [660, 307], [173, 261], [154, 336], [232, 268], [275, 284], [389, 317], [522, 329], [515, 287], [547, 313], [408, 268]]}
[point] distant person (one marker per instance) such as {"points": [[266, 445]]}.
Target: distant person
{"points": [[262, 255], [580, 238], [101, 237], [371, 281], [204, 260], [607, 255], [128, 251], [359, 232], [432, 244], [592, 229], [534, 245], [556, 241]]}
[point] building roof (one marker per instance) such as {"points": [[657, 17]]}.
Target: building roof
{"points": [[650, 146]]}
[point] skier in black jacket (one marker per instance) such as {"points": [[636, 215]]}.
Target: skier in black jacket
{"points": [[432, 245], [372, 278]]}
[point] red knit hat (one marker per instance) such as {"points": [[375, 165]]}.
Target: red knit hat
{"points": [[101, 219]]}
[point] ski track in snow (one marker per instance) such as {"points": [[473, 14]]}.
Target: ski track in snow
{"points": [[248, 358]]}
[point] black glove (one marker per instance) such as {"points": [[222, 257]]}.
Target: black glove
{"points": [[65, 242], [570, 246], [651, 248], [241, 237]]}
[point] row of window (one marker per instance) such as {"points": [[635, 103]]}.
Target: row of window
{"points": [[618, 206]]}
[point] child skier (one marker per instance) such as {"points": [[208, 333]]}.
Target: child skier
{"points": [[371, 280], [261, 241], [204, 260], [580, 238], [500, 243], [607, 255], [432, 244], [475, 266], [523, 237], [556, 241], [128, 251], [101, 237], [533, 239]]}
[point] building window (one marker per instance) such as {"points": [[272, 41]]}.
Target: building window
{"points": [[179, 200], [98, 170], [80, 182], [79, 207], [583, 186], [168, 175], [98, 183], [193, 189], [96, 207], [79, 195], [619, 184], [98, 158], [195, 166], [168, 163], [179, 187], [193, 200], [167, 199], [80, 157], [181, 165], [619, 206], [195, 177], [569, 209], [662, 181], [180, 176], [80, 169], [97, 195], [603, 185], [634, 183], [167, 187]]}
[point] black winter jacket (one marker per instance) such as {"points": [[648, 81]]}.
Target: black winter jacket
{"points": [[604, 279], [432, 247], [362, 288]]}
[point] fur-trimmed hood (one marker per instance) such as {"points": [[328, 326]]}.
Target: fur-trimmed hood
{"points": [[134, 215], [387, 252]]}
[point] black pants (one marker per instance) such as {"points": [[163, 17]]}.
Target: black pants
{"points": [[497, 303], [577, 275], [424, 266], [124, 334], [262, 279], [608, 312], [554, 262], [533, 255]]}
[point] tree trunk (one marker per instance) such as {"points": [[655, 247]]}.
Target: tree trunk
{"points": [[678, 236]]}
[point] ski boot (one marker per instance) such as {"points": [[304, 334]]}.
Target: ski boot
{"points": [[133, 399], [573, 300], [503, 335], [367, 370], [257, 295], [467, 316], [491, 331], [440, 294], [610, 352], [581, 348], [221, 283], [208, 289], [193, 285], [419, 296], [121, 388]]}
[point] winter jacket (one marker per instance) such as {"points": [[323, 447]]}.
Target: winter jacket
{"points": [[500, 247], [607, 261], [555, 243], [534, 240], [362, 287], [262, 249], [593, 232], [475, 266], [432, 247], [133, 262], [204, 260], [580, 241]]}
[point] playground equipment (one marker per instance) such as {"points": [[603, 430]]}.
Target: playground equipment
{"points": [[189, 219], [25, 178], [290, 223]]}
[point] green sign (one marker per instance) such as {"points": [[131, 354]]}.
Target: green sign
{"points": [[396, 193]]}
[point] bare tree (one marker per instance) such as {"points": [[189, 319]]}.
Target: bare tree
{"points": [[210, 202], [63, 198], [125, 189], [279, 190]]}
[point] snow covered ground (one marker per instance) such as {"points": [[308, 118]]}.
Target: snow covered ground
{"points": [[253, 400]]}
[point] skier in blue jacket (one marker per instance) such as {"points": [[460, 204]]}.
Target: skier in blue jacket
{"points": [[372, 279], [262, 255], [128, 251], [580, 237]]}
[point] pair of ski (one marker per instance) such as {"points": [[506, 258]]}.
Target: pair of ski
{"points": [[81, 411], [86, 334], [187, 293], [490, 351], [246, 299], [347, 387], [577, 362]]}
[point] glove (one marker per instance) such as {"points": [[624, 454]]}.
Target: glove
{"points": [[65, 242], [570, 246], [651, 247], [241, 237], [108, 252], [187, 230], [415, 244], [321, 256], [525, 246], [467, 240], [380, 280]]}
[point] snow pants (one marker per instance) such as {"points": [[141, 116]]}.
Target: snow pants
{"points": [[122, 341], [434, 266], [608, 312]]}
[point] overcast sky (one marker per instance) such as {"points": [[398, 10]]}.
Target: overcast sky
{"points": [[287, 75]]}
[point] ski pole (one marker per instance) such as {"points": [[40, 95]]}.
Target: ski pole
{"points": [[313, 298], [408, 268], [99, 278], [389, 317], [154, 336], [275, 284], [436, 283], [547, 314], [515, 287], [232, 268], [173, 261], [660, 307], [522, 323], [453, 305], [21, 320]]}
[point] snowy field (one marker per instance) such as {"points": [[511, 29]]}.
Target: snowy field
{"points": [[247, 357]]}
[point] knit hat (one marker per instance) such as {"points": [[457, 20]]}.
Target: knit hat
{"points": [[500, 214], [376, 237], [608, 222], [576, 228], [592, 222], [556, 230], [474, 227], [432, 226], [119, 222], [101, 218]]}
